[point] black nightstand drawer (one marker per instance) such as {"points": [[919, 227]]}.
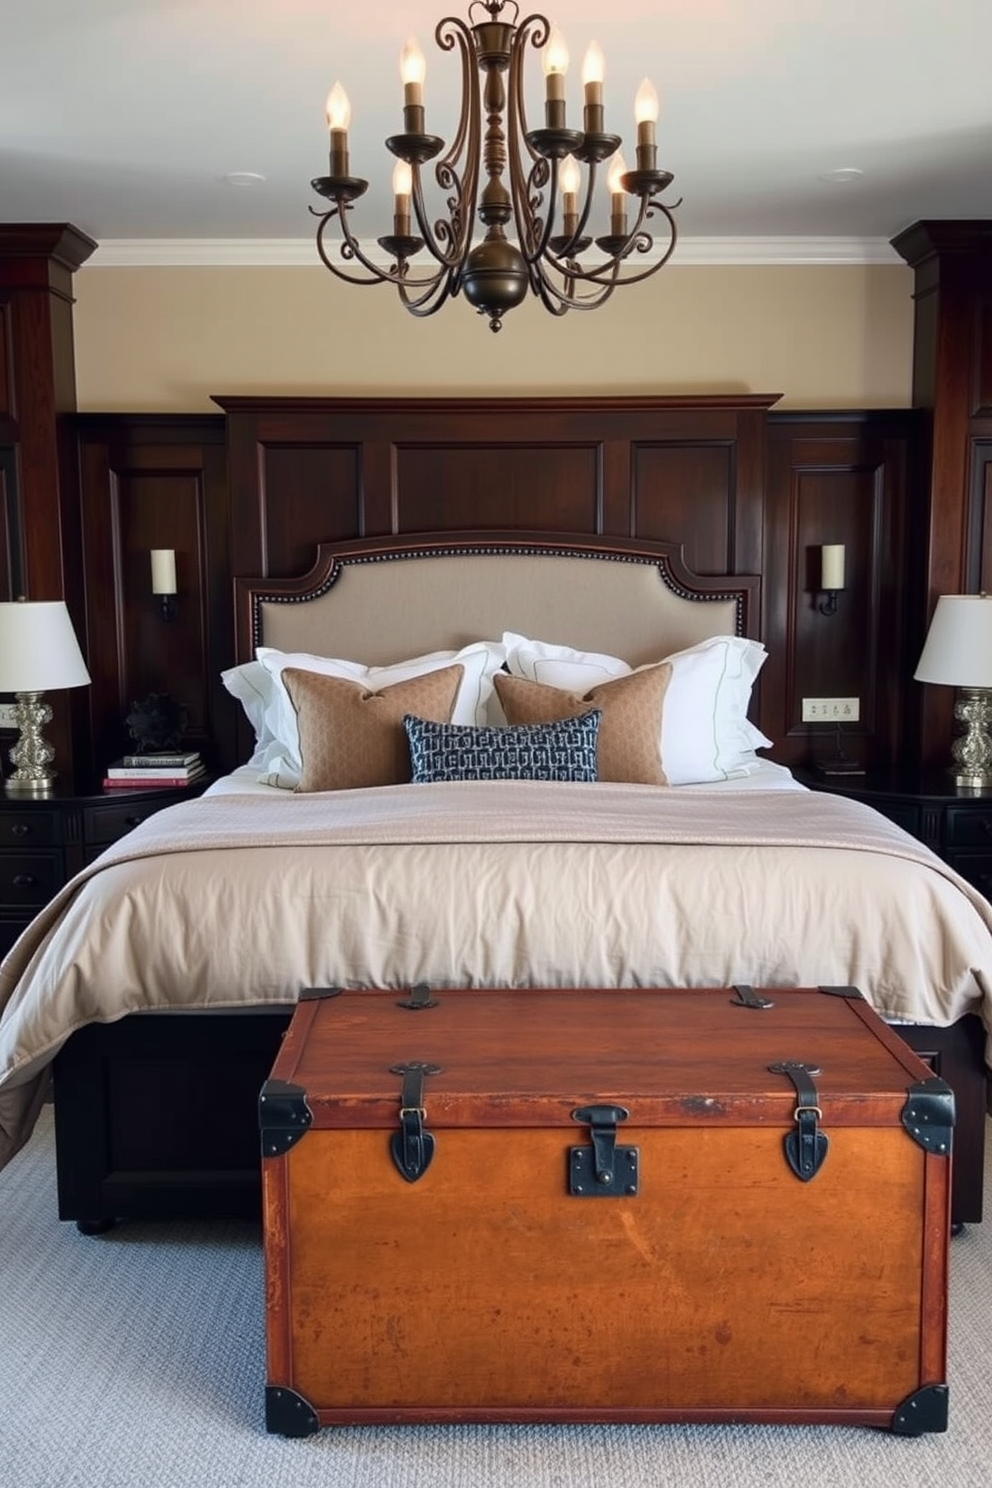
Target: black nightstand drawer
{"points": [[903, 814], [105, 824], [969, 826], [28, 828], [30, 879]]}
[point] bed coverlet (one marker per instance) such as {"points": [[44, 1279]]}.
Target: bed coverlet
{"points": [[233, 900]]}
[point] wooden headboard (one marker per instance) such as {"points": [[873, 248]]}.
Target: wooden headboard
{"points": [[721, 486]]}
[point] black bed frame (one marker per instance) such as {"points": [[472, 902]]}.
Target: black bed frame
{"points": [[153, 1123]]}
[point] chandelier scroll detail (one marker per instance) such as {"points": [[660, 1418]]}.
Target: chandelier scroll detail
{"points": [[505, 174]]}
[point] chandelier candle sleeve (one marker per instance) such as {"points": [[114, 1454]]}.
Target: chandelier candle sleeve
{"points": [[646, 114], [338, 119], [569, 180], [618, 198], [402, 186], [832, 566], [555, 64], [413, 70], [593, 71]]}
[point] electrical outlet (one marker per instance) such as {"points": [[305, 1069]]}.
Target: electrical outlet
{"points": [[831, 710], [7, 719]]}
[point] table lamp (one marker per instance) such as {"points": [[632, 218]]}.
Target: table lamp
{"points": [[38, 653], [958, 653]]}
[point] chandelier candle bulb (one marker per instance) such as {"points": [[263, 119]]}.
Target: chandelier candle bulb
{"points": [[569, 180], [338, 119], [646, 115], [593, 71], [555, 64], [413, 70]]}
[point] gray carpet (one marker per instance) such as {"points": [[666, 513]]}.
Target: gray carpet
{"points": [[137, 1361]]}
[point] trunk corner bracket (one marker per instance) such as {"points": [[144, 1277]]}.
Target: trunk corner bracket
{"points": [[283, 1116], [928, 1115]]}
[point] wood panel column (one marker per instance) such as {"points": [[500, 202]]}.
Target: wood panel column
{"points": [[42, 535], [952, 382]]}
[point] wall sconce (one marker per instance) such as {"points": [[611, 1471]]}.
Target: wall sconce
{"points": [[164, 580], [831, 577], [39, 653]]}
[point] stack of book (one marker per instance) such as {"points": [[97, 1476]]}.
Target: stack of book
{"points": [[154, 770]]}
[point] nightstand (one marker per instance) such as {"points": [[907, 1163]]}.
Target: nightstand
{"points": [[44, 840], [956, 824]]}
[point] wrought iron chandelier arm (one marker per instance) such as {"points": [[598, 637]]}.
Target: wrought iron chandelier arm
{"points": [[349, 248], [447, 239], [639, 241], [524, 179], [560, 300], [430, 302]]}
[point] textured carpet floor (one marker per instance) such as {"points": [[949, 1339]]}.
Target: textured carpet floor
{"points": [[137, 1361]]}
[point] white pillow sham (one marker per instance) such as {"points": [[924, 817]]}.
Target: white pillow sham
{"points": [[705, 732], [255, 690], [283, 765]]}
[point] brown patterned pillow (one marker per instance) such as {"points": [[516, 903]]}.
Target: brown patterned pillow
{"points": [[351, 737], [630, 730]]}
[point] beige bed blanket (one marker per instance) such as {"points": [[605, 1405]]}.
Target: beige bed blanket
{"points": [[232, 900]]}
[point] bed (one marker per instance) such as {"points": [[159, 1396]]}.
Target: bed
{"points": [[158, 984]]}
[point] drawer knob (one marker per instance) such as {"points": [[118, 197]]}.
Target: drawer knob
{"points": [[133, 821], [20, 829], [24, 880], [985, 822]]}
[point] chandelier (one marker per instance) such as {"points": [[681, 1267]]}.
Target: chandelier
{"points": [[500, 170]]}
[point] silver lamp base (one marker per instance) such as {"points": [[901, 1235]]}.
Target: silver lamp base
{"points": [[972, 749], [32, 755]]}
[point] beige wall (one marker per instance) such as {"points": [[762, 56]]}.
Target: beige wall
{"points": [[165, 339]]}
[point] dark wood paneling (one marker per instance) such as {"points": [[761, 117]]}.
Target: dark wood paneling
{"points": [[11, 556], [689, 489], [839, 479], [155, 483], [7, 380], [952, 383], [535, 488]]}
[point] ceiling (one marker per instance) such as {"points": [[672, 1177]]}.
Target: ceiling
{"points": [[126, 117]]}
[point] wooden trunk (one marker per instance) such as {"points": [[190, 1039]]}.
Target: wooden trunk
{"points": [[738, 1246]]}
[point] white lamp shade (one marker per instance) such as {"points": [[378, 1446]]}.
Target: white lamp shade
{"points": [[38, 647], [958, 649]]}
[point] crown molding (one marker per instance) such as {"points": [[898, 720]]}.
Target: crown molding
{"points": [[148, 253]]}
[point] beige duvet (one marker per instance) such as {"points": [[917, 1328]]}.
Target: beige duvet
{"points": [[232, 900]]}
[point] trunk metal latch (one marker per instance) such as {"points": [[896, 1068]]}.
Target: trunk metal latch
{"points": [[602, 1169]]}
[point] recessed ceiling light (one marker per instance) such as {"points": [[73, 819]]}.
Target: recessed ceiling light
{"points": [[244, 178], [842, 176]]}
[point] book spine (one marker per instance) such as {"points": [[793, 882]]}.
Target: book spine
{"points": [[159, 761], [162, 780], [150, 772]]}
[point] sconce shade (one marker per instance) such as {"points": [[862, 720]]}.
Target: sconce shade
{"points": [[163, 570], [958, 649], [832, 566], [38, 647]]}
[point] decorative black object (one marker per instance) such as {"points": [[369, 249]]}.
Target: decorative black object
{"points": [[157, 723]]}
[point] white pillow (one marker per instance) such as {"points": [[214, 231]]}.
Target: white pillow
{"points": [[255, 690], [705, 732], [478, 661]]}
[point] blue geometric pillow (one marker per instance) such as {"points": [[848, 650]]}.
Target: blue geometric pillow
{"points": [[535, 751]]}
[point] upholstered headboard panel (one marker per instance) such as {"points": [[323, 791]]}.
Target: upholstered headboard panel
{"points": [[381, 600]]}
